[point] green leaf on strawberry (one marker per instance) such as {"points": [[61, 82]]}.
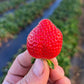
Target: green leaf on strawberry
{"points": [[50, 63]]}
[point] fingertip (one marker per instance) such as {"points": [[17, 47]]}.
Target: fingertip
{"points": [[57, 73], [25, 58], [26, 53], [64, 80], [67, 80]]}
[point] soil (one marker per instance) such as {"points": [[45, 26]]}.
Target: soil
{"points": [[77, 70]]}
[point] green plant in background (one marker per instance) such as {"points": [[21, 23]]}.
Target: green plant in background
{"points": [[11, 27], [3, 33], [6, 5]]}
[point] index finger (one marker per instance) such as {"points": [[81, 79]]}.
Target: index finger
{"points": [[56, 73], [19, 68]]}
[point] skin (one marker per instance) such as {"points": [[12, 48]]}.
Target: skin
{"points": [[23, 72]]}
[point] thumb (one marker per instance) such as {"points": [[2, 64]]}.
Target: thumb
{"points": [[38, 74]]}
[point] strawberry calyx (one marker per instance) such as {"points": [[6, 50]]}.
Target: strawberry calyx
{"points": [[50, 63]]}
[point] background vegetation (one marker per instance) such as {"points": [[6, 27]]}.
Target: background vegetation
{"points": [[10, 4]]}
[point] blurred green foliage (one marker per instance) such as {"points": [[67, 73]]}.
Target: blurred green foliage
{"points": [[11, 4]]}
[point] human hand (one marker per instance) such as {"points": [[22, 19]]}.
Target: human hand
{"points": [[23, 72]]}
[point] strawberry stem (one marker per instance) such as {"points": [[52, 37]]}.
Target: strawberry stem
{"points": [[50, 63]]}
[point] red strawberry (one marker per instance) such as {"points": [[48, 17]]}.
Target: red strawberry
{"points": [[45, 40]]}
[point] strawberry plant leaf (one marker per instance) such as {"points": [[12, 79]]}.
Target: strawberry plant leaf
{"points": [[50, 63]]}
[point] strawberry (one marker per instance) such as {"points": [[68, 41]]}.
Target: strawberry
{"points": [[45, 40]]}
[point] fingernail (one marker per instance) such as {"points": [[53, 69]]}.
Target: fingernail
{"points": [[38, 67], [5, 82]]}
